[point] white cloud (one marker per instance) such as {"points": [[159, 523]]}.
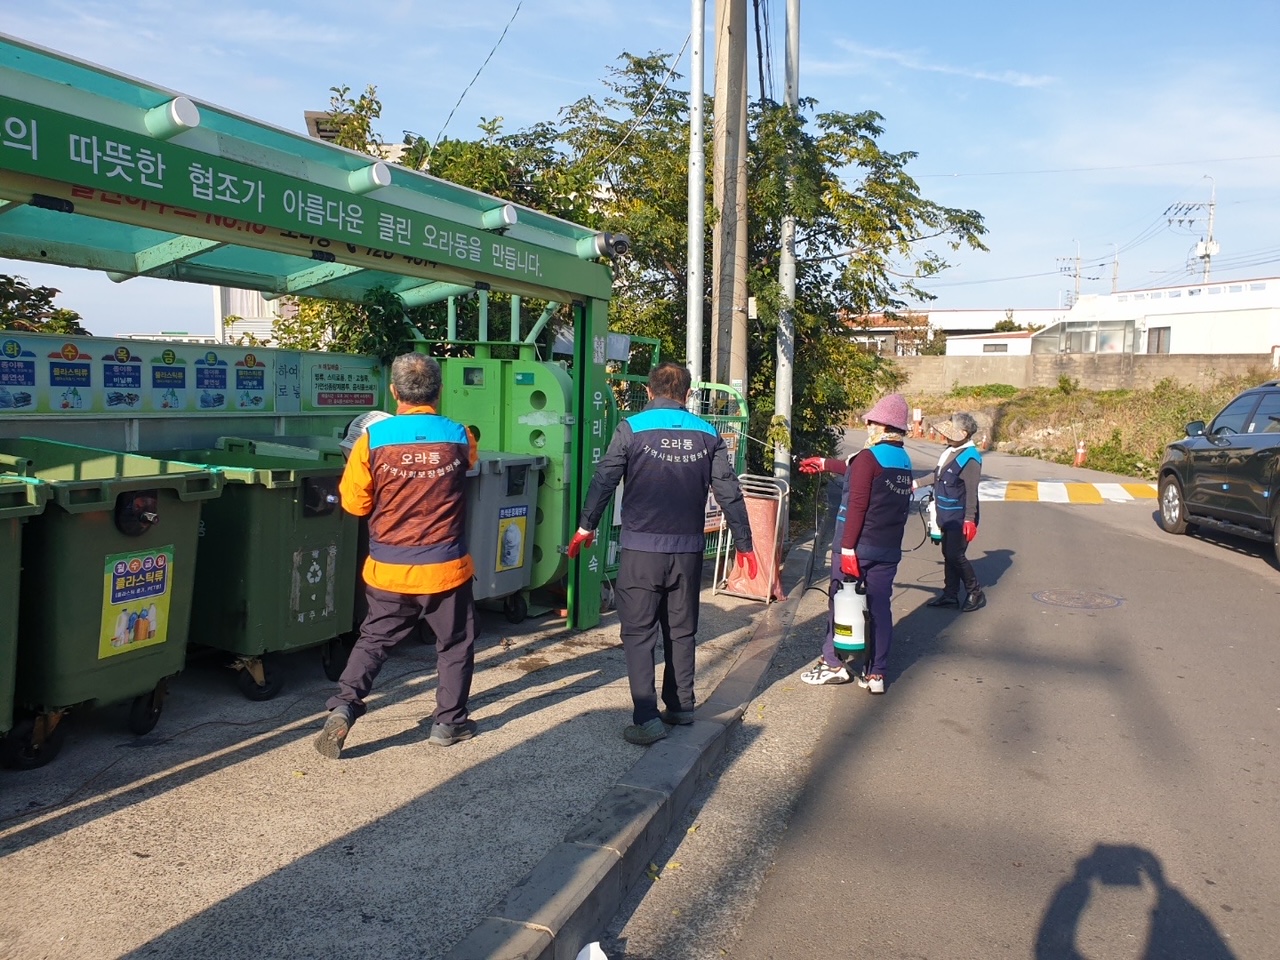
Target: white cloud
{"points": [[1012, 78]]}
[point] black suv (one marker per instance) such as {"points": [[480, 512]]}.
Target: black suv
{"points": [[1224, 476]]}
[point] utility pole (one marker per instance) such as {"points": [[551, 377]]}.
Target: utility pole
{"points": [[695, 285], [782, 391], [1070, 265], [729, 241], [1182, 214], [1115, 269]]}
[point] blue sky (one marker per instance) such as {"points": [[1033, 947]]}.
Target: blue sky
{"points": [[1061, 124]]}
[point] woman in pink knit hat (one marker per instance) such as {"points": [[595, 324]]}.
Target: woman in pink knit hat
{"points": [[867, 543]]}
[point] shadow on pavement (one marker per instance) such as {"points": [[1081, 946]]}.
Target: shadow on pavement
{"points": [[146, 767], [1176, 927]]}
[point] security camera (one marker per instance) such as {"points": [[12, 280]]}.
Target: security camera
{"points": [[619, 245], [604, 246]]}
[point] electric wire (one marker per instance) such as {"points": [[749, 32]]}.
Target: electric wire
{"points": [[1122, 166], [640, 119], [479, 70]]}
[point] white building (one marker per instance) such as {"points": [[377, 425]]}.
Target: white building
{"points": [[1234, 316], [1014, 344], [1228, 317]]}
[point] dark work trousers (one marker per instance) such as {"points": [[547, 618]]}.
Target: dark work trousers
{"points": [[658, 596], [879, 579], [955, 565], [393, 617]]}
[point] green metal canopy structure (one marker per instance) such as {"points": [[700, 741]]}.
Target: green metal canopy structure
{"points": [[103, 171]]}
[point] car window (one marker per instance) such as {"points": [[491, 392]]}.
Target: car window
{"points": [[1268, 407], [1235, 415]]}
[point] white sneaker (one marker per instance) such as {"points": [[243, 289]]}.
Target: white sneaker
{"points": [[872, 684], [820, 673]]}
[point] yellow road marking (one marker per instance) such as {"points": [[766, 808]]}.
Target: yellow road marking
{"points": [[1083, 493], [1141, 491], [1025, 490]]}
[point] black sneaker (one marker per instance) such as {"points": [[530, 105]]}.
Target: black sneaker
{"points": [[942, 600], [676, 718], [446, 735], [329, 742], [973, 601]]}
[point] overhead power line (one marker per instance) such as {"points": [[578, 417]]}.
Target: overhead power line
{"points": [[519, 3], [1122, 166]]}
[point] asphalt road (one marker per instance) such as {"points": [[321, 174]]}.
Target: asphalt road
{"points": [[1095, 780]]}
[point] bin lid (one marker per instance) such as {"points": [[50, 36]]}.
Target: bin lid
{"points": [[21, 496], [85, 479], [239, 466], [491, 461], [324, 449]]}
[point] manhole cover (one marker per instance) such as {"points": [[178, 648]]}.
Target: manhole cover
{"points": [[1079, 599]]}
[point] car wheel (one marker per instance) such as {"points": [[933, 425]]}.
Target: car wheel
{"points": [[1173, 515], [1275, 532]]}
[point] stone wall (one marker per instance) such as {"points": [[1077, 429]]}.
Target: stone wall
{"points": [[1111, 371]]}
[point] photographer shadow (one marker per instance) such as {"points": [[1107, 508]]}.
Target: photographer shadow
{"points": [[1176, 927]]}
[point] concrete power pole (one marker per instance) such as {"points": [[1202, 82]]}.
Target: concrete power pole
{"points": [[729, 189], [695, 287], [782, 391]]}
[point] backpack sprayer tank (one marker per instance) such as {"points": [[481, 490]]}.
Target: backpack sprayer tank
{"points": [[849, 609]]}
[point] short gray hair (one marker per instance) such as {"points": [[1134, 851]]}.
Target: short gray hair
{"points": [[416, 378], [965, 423]]}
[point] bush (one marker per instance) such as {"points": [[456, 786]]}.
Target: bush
{"points": [[986, 391]]}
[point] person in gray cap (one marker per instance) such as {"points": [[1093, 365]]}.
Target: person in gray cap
{"points": [[955, 492]]}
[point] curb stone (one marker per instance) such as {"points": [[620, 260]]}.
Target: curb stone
{"points": [[569, 896]]}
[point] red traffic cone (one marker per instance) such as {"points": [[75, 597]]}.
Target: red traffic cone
{"points": [[1081, 456]]}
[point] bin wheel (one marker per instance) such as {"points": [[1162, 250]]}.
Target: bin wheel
{"points": [[144, 712], [19, 751], [516, 608], [333, 656], [273, 680]]}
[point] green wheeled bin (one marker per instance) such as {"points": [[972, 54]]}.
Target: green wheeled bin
{"points": [[276, 564], [20, 498], [107, 575]]}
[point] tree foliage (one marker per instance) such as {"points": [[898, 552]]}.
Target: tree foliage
{"points": [[31, 309], [618, 162]]}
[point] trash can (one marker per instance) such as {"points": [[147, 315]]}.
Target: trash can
{"points": [[275, 566], [107, 575], [19, 498], [501, 520], [326, 449]]}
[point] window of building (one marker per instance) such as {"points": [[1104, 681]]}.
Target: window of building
{"points": [[1213, 290], [995, 348], [1174, 293], [1235, 288], [1257, 286], [1157, 295], [1158, 340], [1194, 292]]}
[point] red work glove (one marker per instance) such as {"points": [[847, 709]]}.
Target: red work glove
{"points": [[811, 465], [849, 564], [970, 531], [748, 560], [583, 538]]}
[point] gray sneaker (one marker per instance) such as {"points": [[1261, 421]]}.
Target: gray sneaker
{"points": [[329, 742], [643, 734], [676, 718], [446, 735]]}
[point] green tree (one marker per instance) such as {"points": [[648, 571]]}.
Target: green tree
{"points": [[31, 309]]}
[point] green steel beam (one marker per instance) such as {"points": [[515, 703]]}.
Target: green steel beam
{"points": [[177, 250], [318, 276], [430, 293]]}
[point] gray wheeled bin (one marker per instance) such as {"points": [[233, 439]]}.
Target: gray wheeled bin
{"points": [[107, 576], [502, 505]]}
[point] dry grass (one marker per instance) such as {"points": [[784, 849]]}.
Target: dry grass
{"points": [[1124, 431]]}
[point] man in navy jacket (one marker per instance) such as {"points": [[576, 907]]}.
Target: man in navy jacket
{"points": [[668, 459]]}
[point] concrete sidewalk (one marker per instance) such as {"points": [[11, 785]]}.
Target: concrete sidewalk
{"points": [[223, 834]]}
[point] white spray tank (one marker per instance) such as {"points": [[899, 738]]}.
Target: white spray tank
{"points": [[935, 531], [849, 611]]}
